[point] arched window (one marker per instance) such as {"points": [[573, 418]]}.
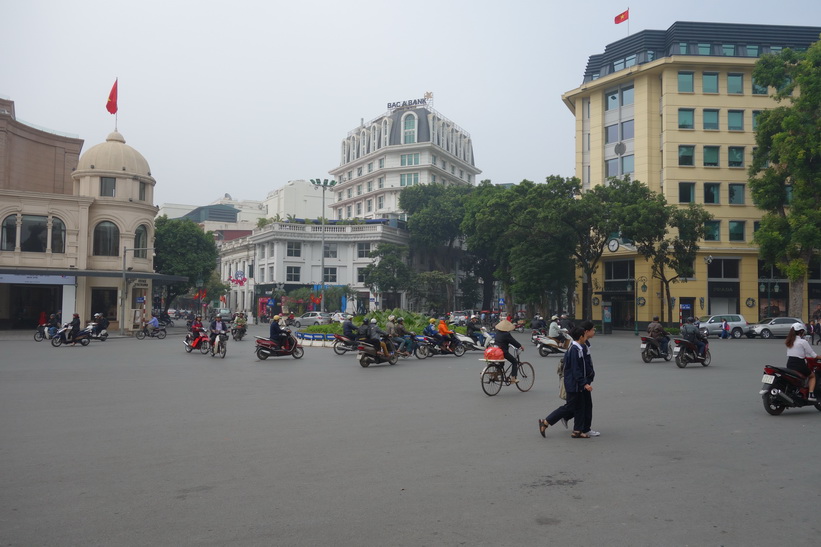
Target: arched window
{"points": [[8, 233], [106, 239], [58, 235], [409, 129], [141, 241]]}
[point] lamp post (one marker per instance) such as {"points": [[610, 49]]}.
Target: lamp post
{"points": [[636, 280], [769, 287], [324, 184], [125, 283]]}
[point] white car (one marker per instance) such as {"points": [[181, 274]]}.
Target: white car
{"points": [[338, 317]]}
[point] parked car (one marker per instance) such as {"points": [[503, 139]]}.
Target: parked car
{"points": [[710, 325], [313, 318], [774, 326]]}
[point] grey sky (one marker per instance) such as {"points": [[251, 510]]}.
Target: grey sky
{"points": [[243, 96]]}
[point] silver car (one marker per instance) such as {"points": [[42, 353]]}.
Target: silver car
{"points": [[710, 325], [774, 326], [313, 318]]}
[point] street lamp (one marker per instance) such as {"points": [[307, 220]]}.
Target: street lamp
{"points": [[774, 289], [125, 284], [643, 280], [324, 184]]}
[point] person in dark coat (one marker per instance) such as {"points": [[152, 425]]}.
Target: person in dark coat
{"points": [[276, 333]]}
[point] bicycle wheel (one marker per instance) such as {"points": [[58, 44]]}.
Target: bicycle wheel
{"points": [[526, 376], [492, 378]]}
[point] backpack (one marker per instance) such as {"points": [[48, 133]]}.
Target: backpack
{"points": [[362, 330]]}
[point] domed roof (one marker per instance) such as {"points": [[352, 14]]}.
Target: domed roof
{"points": [[114, 155]]}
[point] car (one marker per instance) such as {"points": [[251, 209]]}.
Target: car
{"points": [[774, 326], [338, 317], [710, 325], [461, 317], [313, 318]]}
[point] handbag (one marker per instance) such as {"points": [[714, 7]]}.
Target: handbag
{"points": [[560, 372]]}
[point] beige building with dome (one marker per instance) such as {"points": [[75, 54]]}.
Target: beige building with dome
{"points": [[76, 230]]}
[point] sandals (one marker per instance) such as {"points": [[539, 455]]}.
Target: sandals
{"points": [[543, 425], [579, 435]]}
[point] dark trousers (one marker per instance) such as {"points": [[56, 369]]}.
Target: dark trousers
{"points": [[566, 411], [582, 414], [514, 371]]}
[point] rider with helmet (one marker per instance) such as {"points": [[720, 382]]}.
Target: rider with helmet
{"points": [[101, 323], [691, 333], [432, 332], [798, 349], [375, 335], [403, 336], [276, 333], [448, 337], [217, 325], [348, 328], [474, 329], [657, 332]]}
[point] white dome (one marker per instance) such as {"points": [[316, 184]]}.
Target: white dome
{"points": [[114, 155]]}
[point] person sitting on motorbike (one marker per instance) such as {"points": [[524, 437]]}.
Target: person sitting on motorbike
{"points": [[656, 331], [276, 334], [348, 328], [241, 322], [537, 323], [691, 333], [432, 332], [375, 335], [196, 324], [154, 323], [75, 327], [217, 325], [448, 337], [403, 336], [474, 330], [554, 331], [53, 325], [798, 349], [397, 339], [504, 340]]}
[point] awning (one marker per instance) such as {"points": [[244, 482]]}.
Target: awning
{"points": [[162, 278]]}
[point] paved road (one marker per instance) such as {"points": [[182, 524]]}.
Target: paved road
{"points": [[137, 443]]}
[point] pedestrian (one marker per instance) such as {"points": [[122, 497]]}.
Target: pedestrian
{"points": [[818, 331], [811, 331], [725, 329]]}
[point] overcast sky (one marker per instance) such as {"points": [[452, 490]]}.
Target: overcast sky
{"points": [[242, 96]]}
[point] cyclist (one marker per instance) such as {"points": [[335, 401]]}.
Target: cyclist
{"points": [[504, 340]]}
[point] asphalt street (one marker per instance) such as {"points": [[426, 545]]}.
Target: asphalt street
{"points": [[137, 443]]}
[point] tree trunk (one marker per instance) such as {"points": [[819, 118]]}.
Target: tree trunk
{"points": [[796, 304]]}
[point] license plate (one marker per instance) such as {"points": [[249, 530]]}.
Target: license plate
{"points": [[768, 379], [676, 350], [643, 346]]}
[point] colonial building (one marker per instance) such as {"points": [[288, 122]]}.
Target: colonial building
{"points": [[677, 110], [76, 232]]}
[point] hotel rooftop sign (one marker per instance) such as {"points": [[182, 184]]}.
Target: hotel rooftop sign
{"points": [[411, 103]]}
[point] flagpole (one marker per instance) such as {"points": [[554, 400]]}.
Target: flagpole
{"points": [[628, 20], [117, 82]]}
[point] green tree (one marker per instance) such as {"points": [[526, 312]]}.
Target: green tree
{"points": [[785, 174], [389, 274], [182, 248]]}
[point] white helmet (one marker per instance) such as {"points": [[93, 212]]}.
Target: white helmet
{"points": [[391, 317], [798, 327], [373, 321]]}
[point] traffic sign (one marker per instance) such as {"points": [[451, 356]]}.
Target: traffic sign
{"points": [[140, 300]]}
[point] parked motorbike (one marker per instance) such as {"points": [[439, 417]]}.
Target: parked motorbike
{"points": [[651, 349], [343, 345], [43, 332], [549, 346], [83, 337], [237, 333], [144, 332], [429, 346], [471, 344], [783, 388], [268, 348], [102, 336], [369, 354], [197, 340], [687, 352]]}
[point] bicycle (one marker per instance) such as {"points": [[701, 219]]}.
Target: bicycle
{"points": [[496, 374]]}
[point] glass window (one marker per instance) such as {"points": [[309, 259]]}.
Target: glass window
{"points": [[141, 242], [105, 301], [686, 192], [627, 95], [735, 120], [291, 273], [711, 158], [330, 250], [34, 234], [108, 186], [369, 205], [626, 130], [736, 194], [358, 189], [8, 236], [735, 156], [712, 230], [686, 118], [370, 167], [759, 89], [358, 171], [294, 248], [756, 114], [627, 164], [712, 191], [106, 239], [143, 187], [612, 100], [736, 230], [58, 235], [381, 163], [348, 212], [611, 168], [704, 49], [611, 134], [360, 275], [753, 51], [359, 208], [380, 182], [728, 50], [329, 275], [735, 84], [363, 250], [409, 129], [350, 192], [685, 82], [686, 153], [408, 179], [710, 119], [380, 202], [709, 82]]}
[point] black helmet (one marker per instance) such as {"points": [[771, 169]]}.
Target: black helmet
{"points": [[400, 319], [691, 320]]}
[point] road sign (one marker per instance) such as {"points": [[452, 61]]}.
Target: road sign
{"points": [[501, 301], [140, 300]]}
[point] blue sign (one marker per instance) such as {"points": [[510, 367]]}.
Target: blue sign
{"points": [[271, 302], [686, 307], [501, 301], [140, 300]]}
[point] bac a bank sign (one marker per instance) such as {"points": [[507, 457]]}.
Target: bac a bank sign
{"points": [[407, 104]]}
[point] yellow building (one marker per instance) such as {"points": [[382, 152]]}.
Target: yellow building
{"points": [[677, 110]]}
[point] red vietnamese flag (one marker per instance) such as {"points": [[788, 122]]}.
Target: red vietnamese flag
{"points": [[111, 105], [622, 17]]}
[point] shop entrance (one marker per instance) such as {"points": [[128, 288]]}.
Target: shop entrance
{"points": [[27, 302]]}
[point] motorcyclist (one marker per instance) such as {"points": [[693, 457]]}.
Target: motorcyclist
{"points": [[448, 337], [240, 323], [474, 329], [375, 335], [276, 334], [196, 324], [397, 339], [656, 330], [798, 349], [691, 333], [75, 327], [217, 325], [432, 332], [348, 328], [53, 325], [566, 323], [403, 335], [537, 323], [154, 323], [554, 331]]}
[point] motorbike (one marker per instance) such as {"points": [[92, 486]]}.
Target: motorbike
{"points": [[343, 345], [687, 352], [535, 334], [266, 347], [159, 332], [549, 346], [369, 354], [651, 349], [783, 388], [102, 336], [519, 326], [237, 333], [471, 344], [83, 337], [44, 332], [429, 346], [166, 320], [197, 340], [220, 344]]}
